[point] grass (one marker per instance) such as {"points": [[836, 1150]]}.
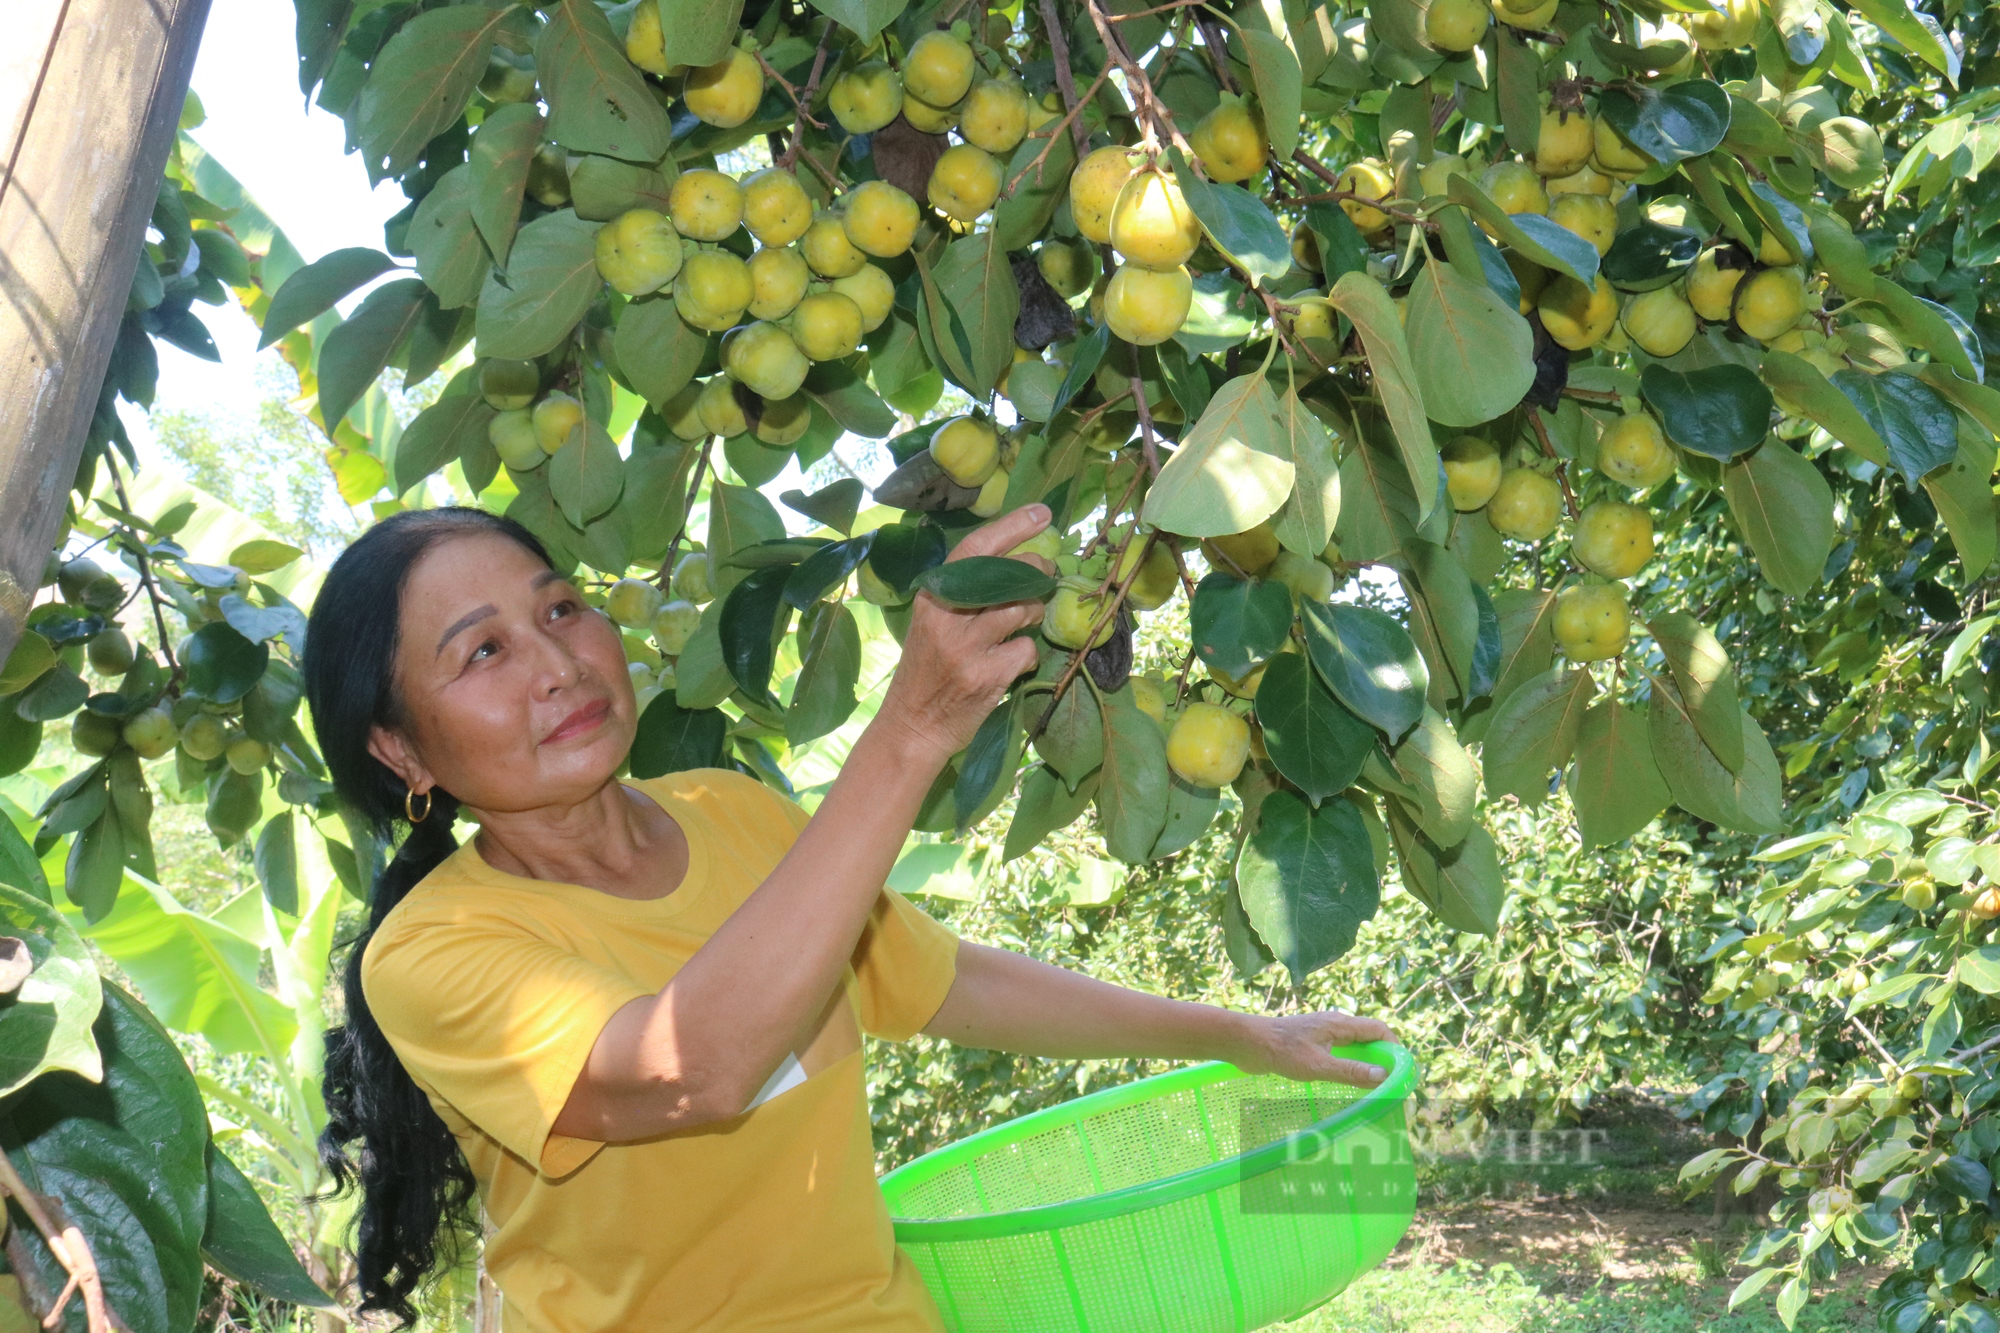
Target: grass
{"points": [[1467, 1297]]}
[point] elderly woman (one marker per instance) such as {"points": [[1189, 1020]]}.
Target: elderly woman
{"points": [[627, 1015]]}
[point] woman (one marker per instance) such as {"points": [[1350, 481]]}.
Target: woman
{"points": [[628, 1015]]}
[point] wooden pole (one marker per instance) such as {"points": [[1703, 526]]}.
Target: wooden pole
{"points": [[90, 99]]}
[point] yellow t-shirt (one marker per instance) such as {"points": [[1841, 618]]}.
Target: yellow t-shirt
{"points": [[492, 988]]}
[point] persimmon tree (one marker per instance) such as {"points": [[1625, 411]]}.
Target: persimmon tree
{"points": [[1393, 341]]}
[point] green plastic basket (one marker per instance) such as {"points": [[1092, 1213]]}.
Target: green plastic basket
{"points": [[1202, 1200]]}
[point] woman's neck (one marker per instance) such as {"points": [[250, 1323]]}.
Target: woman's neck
{"points": [[617, 840]]}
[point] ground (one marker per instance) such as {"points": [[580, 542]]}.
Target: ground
{"points": [[1568, 1246]]}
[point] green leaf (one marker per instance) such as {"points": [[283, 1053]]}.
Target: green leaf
{"points": [[1305, 521], [673, 739], [825, 568], [833, 505], [31, 659], [602, 188], [993, 753], [277, 864], [1747, 800], [18, 866], [1980, 969], [421, 82], [1461, 885], [1534, 731], [1237, 623], [198, 975], [1045, 805], [1396, 379], [1072, 741], [1307, 880], [450, 256], [1809, 393], [848, 400], [1436, 769], [1474, 354], [551, 277], [1916, 31], [598, 101], [46, 1024], [263, 556], [1784, 509], [1229, 474], [439, 434], [355, 352], [1023, 215], [1670, 124], [977, 282], [985, 580], [1918, 427], [1650, 255], [1312, 737], [1342, 250], [586, 475], [242, 1243], [1190, 810], [316, 288], [700, 32], [1721, 411], [1537, 239], [1236, 221], [750, 613], [1963, 494], [1274, 69], [900, 552], [221, 664], [1444, 618], [657, 352], [1186, 377], [1705, 680], [829, 669], [1615, 783], [1370, 663], [502, 149], [1132, 784]]}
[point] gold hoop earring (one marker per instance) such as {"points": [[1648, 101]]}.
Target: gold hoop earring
{"points": [[410, 807]]}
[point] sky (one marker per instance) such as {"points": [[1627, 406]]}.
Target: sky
{"points": [[290, 159]]}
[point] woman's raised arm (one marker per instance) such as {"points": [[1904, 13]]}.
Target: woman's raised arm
{"points": [[699, 1049]]}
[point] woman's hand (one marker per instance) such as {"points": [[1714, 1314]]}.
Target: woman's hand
{"points": [[1295, 1045], [958, 664]]}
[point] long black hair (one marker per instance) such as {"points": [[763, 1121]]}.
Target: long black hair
{"points": [[416, 1189]]}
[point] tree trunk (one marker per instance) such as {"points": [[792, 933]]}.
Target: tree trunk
{"points": [[90, 98]]}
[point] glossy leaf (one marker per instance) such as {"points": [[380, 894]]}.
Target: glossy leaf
{"points": [[1370, 663], [750, 613], [672, 738], [1670, 124], [1474, 355], [221, 664], [1046, 805], [985, 580], [242, 1243], [829, 669], [1315, 741], [1809, 393], [1433, 766], [1537, 239], [1650, 255], [1916, 425], [1307, 880], [1237, 623], [1721, 411], [1236, 221]]}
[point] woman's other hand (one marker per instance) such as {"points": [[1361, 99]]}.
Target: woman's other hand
{"points": [[1295, 1045], [958, 664]]}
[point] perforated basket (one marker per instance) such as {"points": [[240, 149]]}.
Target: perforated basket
{"points": [[1203, 1200]]}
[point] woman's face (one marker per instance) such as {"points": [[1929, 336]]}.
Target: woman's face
{"points": [[515, 693]]}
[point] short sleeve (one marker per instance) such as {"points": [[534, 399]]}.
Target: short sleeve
{"points": [[903, 966], [496, 1022]]}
